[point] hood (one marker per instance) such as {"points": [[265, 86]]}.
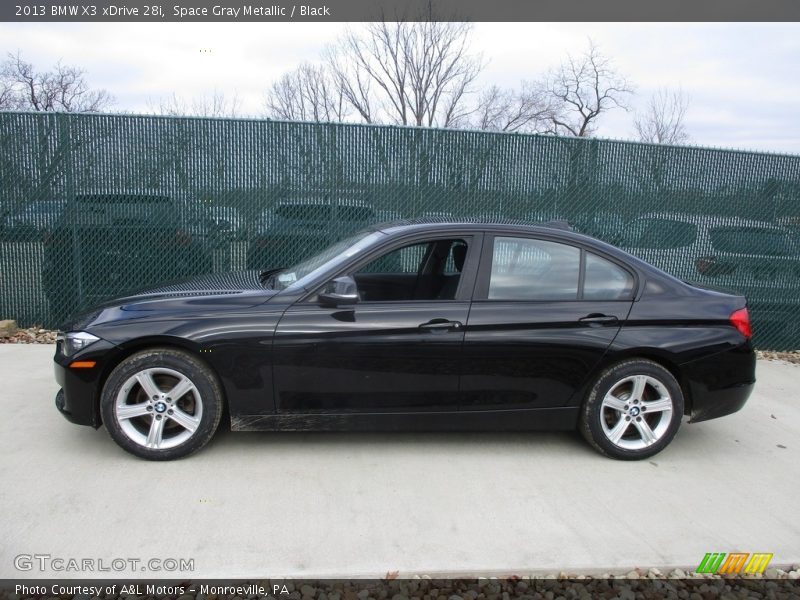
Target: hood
{"points": [[205, 293], [211, 284]]}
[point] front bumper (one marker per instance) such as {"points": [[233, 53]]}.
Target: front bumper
{"points": [[79, 397], [61, 405]]}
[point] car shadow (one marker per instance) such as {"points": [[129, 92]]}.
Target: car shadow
{"points": [[234, 441]]}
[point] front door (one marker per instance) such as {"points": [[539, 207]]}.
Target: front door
{"points": [[398, 349]]}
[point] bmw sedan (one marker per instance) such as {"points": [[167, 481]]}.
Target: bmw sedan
{"points": [[415, 326]]}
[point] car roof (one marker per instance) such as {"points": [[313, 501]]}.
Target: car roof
{"points": [[476, 224], [559, 229]]}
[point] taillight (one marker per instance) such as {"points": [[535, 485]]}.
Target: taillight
{"points": [[741, 320]]}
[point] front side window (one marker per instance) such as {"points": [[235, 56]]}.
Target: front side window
{"points": [[529, 269], [406, 260], [429, 270]]}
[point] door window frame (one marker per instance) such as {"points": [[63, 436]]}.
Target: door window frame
{"points": [[481, 290], [466, 283]]}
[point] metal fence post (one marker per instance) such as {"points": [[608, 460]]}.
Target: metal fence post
{"points": [[65, 131]]}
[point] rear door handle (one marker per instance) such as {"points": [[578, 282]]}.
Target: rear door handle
{"points": [[598, 319], [441, 325]]}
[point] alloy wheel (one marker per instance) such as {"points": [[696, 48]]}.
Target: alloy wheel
{"points": [[158, 408], [636, 412]]}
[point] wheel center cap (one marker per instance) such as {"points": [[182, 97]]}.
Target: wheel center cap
{"points": [[634, 411], [160, 407]]}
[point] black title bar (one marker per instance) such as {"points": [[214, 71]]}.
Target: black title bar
{"points": [[156, 11]]}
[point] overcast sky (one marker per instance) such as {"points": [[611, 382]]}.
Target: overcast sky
{"points": [[743, 79]]}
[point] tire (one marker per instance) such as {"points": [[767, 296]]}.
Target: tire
{"points": [[618, 424], [145, 420]]}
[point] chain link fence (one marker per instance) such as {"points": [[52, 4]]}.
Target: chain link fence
{"points": [[94, 206]]}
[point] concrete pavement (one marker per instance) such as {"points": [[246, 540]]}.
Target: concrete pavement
{"points": [[327, 504]]}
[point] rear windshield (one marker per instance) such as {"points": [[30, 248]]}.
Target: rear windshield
{"points": [[750, 240]]}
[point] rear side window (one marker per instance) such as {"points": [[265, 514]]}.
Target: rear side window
{"points": [[528, 269], [750, 240], [660, 234], [603, 280]]}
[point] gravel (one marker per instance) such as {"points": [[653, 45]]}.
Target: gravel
{"points": [[792, 357], [31, 335]]}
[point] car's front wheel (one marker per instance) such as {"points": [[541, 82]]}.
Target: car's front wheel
{"points": [[161, 404], [633, 410]]}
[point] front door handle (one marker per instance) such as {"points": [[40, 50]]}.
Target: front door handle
{"points": [[441, 325], [598, 319]]}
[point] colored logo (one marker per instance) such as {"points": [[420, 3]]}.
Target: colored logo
{"points": [[734, 563]]}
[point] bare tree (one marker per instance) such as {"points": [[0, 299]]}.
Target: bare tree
{"points": [[583, 88], [662, 122], [526, 110], [409, 73], [7, 99], [216, 104], [309, 93], [353, 83], [62, 89]]}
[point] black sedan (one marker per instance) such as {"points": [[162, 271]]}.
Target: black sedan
{"points": [[412, 326]]}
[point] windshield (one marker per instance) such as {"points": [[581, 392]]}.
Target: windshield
{"points": [[298, 275]]}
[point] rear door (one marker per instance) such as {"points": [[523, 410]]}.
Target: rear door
{"points": [[543, 314]]}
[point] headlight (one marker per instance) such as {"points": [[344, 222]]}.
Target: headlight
{"points": [[74, 341]]}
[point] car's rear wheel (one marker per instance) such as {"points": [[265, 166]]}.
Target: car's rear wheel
{"points": [[161, 404], [633, 410]]}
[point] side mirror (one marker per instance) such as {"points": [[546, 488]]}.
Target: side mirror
{"points": [[339, 291]]}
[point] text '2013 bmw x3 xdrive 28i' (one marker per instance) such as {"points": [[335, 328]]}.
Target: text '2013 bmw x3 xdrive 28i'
{"points": [[414, 325]]}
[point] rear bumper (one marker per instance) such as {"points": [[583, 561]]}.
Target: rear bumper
{"points": [[720, 384], [718, 403]]}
